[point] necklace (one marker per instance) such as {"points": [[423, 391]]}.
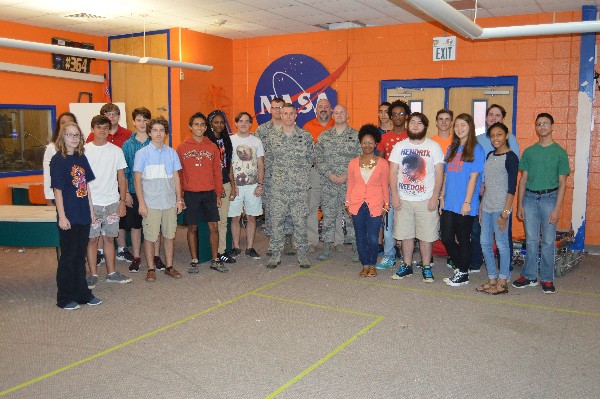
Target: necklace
{"points": [[369, 165]]}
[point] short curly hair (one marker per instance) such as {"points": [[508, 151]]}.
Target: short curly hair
{"points": [[369, 130]]}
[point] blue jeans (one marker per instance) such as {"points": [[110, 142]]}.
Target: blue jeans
{"points": [[537, 209], [489, 228], [366, 229], [389, 242]]}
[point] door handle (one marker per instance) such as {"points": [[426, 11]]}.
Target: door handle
{"points": [[163, 108]]}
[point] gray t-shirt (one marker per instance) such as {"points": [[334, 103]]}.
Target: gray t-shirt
{"points": [[500, 172]]}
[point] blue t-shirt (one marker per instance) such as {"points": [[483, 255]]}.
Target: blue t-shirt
{"points": [[71, 176], [457, 180]]}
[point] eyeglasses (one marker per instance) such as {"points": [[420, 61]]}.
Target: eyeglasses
{"points": [[398, 114], [543, 124], [112, 114], [276, 108], [72, 135]]}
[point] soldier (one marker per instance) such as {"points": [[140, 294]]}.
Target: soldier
{"points": [[289, 156], [334, 149], [263, 130]]}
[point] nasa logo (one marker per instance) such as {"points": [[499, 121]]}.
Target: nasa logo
{"points": [[298, 79]]}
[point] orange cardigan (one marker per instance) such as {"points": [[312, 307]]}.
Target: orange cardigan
{"points": [[375, 192]]}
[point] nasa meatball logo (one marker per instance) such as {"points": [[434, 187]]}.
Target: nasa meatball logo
{"points": [[298, 79]]}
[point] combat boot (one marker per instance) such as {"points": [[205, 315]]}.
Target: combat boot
{"points": [[274, 261], [288, 245], [303, 260], [326, 252]]}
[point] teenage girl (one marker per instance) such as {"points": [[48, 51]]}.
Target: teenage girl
{"points": [[50, 151], [459, 202], [500, 173], [70, 173]]}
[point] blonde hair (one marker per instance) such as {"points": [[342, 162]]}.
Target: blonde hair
{"points": [[61, 148]]}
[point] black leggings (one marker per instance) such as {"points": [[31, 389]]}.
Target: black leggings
{"points": [[455, 230]]}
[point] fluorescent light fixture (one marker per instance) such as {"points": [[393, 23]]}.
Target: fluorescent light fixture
{"points": [[341, 25]]}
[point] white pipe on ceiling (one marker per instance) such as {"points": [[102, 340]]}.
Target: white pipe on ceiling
{"points": [[79, 52], [453, 19]]}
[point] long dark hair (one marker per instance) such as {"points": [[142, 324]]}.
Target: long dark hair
{"points": [[224, 135], [57, 125], [468, 152]]}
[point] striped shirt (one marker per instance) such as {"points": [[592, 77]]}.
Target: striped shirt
{"points": [[157, 167]]}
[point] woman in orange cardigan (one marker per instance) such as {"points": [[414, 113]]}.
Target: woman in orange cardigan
{"points": [[366, 197]]}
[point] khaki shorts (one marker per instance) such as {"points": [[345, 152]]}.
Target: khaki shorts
{"points": [[160, 220], [414, 220]]}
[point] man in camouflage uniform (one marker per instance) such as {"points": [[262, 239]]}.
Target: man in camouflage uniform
{"points": [[334, 149], [289, 156], [262, 132]]}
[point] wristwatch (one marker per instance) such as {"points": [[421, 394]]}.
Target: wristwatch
{"points": [[507, 211]]}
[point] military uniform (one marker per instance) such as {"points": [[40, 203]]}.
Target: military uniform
{"points": [[333, 152], [288, 160]]}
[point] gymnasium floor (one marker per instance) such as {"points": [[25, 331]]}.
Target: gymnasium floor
{"points": [[294, 333]]}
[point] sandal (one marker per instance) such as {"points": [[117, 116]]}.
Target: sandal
{"points": [[485, 287], [364, 272], [372, 272], [498, 289]]}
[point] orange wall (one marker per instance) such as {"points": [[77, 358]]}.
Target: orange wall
{"points": [[547, 68], [200, 91], [39, 90]]}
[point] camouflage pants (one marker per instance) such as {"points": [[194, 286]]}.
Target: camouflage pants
{"points": [[284, 204], [288, 226], [332, 205]]}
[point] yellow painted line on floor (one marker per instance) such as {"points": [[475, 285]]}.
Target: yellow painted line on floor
{"points": [[149, 334], [471, 297], [579, 293]]}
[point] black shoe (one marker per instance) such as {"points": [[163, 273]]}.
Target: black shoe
{"points": [[100, 258], [548, 287], [125, 255], [158, 263], [458, 279], [235, 252], [226, 257], [134, 267], [523, 282], [251, 252]]}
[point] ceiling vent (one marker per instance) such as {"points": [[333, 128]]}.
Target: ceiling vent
{"points": [[85, 16], [341, 25]]}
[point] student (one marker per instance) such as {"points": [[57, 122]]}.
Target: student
{"points": [[50, 151], [108, 197], [217, 132], [544, 170], [248, 171], [443, 122], [70, 172], [202, 184], [159, 193], [385, 123], [459, 202], [367, 197], [132, 220], [500, 173], [416, 175]]}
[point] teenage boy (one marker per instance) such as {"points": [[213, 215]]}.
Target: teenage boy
{"points": [[156, 176], [117, 136], [248, 172], [132, 220], [416, 175], [385, 123], [108, 198], [398, 112], [202, 183], [443, 122], [544, 170]]}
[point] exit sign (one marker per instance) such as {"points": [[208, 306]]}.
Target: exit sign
{"points": [[444, 48]]}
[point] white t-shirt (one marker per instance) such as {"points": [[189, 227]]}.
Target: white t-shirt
{"points": [[416, 168], [48, 154], [105, 161], [246, 151]]}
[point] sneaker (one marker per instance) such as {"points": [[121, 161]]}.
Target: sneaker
{"points": [[100, 259], [226, 257], [418, 265], [117, 277], [170, 271], [403, 271], [427, 274], [548, 287], [251, 252], [94, 301], [458, 279], [450, 264], [217, 265], [92, 280], [193, 268], [235, 252], [151, 275], [522, 282], [386, 263], [446, 279], [134, 267], [124, 255], [71, 306], [158, 263], [474, 270]]}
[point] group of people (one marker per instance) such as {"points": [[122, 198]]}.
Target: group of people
{"points": [[391, 179]]}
